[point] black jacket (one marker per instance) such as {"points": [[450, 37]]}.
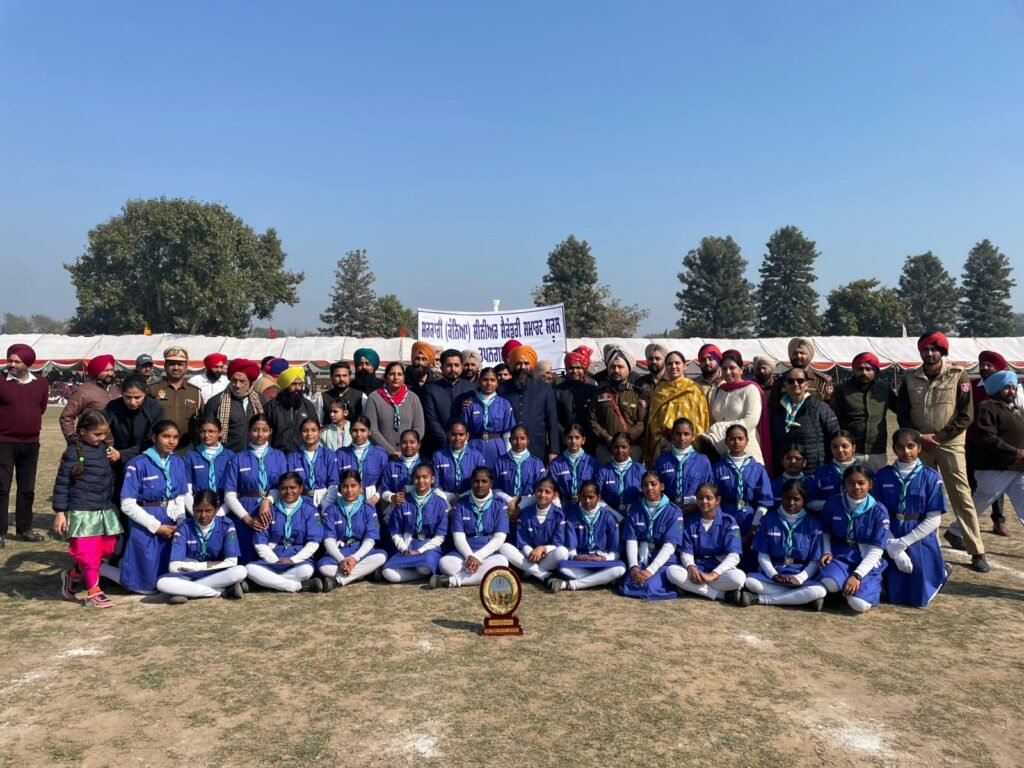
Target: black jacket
{"points": [[818, 425], [534, 407], [94, 490], [438, 398], [132, 434], [285, 422], [572, 399]]}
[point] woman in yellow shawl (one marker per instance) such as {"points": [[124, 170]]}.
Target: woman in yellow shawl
{"points": [[674, 397]]}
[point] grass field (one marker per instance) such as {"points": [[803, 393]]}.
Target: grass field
{"points": [[395, 675]]}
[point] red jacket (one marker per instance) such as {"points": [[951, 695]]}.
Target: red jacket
{"points": [[21, 409]]}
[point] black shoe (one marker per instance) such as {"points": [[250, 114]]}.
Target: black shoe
{"points": [[329, 583], [980, 564], [954, 541], [234, 592], [746, 599], [312, 585], [30, 536], [733, 596], [245, 586], [177, 600]]}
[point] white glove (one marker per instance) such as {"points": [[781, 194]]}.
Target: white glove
{"points": [[895, 547], [902, 561]]}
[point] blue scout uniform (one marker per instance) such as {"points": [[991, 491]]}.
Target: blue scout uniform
{"points": [[743, 489], [590, 535], [454, 472], [478, 527], [488, 423], [517, 478], [189, 543], [421, 521], [206, 474], [252, 479], [709, 547], [290, 533], [849, 528], [317, 475], [620, 488], [530, 531], [683, 475], [779, 481], [570, 473], [790, 546], [370, 467], [653, 527], [826, 482], [350, 525]]}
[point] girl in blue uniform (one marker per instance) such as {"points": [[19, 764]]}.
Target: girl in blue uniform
{"points": [[793, 463], [153, 499], [287, 545], [398, 474], [454, 464], [745, 487], [682, 469], [204, 555], [316, 465], [488, 417], [856, 530], [249, 478], [710, 551], [479, 526], [788, 546], [366, 459], [619, 479], [541, 539], [351, 529], [652, 532], [207, 463], [516, 473], [573, 468], [594, 557], [827, 480], [912, 493], [418, 526]]}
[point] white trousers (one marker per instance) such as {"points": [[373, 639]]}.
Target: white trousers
{"points": [[777, 594], [363, 568], [207, 586], [726, 582], [992, 484], [451, 566], [398, 575], [583, 578], [860, 606], [284, 581], [542, 570], [113, 573]]}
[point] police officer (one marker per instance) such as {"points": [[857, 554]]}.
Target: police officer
{"points": [[182, 402]]}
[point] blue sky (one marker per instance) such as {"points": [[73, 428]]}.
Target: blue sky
{"points": [[443, 136]]}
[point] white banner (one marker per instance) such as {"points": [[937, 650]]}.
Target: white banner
{"points": [[542, 328]]}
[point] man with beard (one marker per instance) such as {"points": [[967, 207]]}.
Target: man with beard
{"points": [[709, 358], [655, 354], [471, 363], [862, 406], [573, 393], [367, 361], [94, 394], [533, 403], [341, 378], [237, 404], [438, 398], [819, 385], [289, 409], [213, 380], [764, 372], [617, 407], [182, 402], [999, 454], [935, 399]]}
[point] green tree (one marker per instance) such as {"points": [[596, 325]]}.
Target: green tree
{"points": [[788, 302], [572, 280], [182, 266], [353, 300], [716, 299], [16, 323], [47, 324], [929, 294], [864, 308], [392, 316], [985, 308], [1018, 324]]}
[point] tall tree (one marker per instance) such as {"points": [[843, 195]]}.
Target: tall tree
{"points": [[572, 280], [985, 308], [182, 266], [392, 317], [864, 308], [353, 300], [929, 294], [787, 299], [716, 299]]}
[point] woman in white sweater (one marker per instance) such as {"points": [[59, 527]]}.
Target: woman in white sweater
{"points": [[736, 401]]}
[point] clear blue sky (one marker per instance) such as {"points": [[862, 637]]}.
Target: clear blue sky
{"points": [[458, 142]]}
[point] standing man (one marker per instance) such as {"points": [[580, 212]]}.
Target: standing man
{"points": [[801, 353], [144, 367], [709, 358], [94, 394], [237, 404], [935, 399], [471, 363], [999, 430], [439, 397], [289, 409], [23, 400], [533, 403], [862, 406], [655, 354], [341, 389], [617, 407], [213, 380], [573, 394], [182, 402], [764, 372]]}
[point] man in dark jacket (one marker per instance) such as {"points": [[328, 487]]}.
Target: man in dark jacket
{"points": [[533, 403], [999, 458], [237, 404], [289, 409], [862, 406], [341, 389], [573, 393], [438, 398]]}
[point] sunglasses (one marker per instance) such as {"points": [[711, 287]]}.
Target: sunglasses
{"points": [[796, 381]]}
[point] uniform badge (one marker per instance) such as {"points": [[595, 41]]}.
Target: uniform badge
{"points": [[965, 387], [162, 394], [788, 561]]}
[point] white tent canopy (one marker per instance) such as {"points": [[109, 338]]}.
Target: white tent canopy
{"points": [[319, 351]]}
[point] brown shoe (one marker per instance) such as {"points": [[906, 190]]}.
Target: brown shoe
{"points": [[999, 528], [956, 542]]}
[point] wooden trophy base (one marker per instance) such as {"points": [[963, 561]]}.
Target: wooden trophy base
{"points": [[501, 627]]}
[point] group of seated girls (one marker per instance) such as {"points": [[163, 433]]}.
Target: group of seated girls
{"points": [[214, 523]]}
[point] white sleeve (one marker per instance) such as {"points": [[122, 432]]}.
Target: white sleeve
{"points": [[266, 552], [826, 543], [764, 562], [364, 548], [138, 515], [758, 514], [526, 549], [631, 556], [330, 497], [493, 545], [331, 545], [503, 496], [401, 545], [868, 561], [306, 552], [386, 496], [809, 572], [188, 499], [729, 562], [370, 491], [461, 544], [663, 557], [227, 562], [924, 529], [688, 500], [433, 543], [175, 566], [176, 508], [232, 503], [686, 558]]}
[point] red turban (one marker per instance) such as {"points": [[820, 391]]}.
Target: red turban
{"points": [[250, 368], [507, 349], [98, 364], [522, 352], [867, 357], [23, 351], [936, 338], [998, 361], [214, 359], [579, 355], [712, 350], [733, 354]]}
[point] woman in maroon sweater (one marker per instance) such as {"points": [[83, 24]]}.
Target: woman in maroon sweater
{"points": [[22, 404]]}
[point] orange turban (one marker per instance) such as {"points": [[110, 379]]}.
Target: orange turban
{"points": [[426, 349], [522, 352]]}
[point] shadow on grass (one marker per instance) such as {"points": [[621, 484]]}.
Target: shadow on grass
{"points": [[459, 626], [983, 590], [21, 576]]}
